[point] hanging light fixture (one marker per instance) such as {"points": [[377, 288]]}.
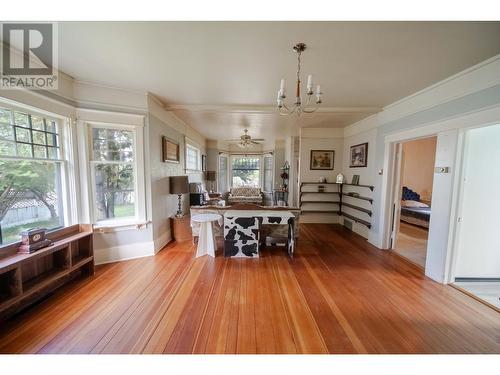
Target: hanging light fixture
{"points": [[298, 107]]}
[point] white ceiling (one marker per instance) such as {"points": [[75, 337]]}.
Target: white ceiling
{"points": [[222, 77]]}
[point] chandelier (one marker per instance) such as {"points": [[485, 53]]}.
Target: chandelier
{"points": [[298, 107]]}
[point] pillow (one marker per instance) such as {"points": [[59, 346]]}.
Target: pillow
{"points": [[410, 203]]}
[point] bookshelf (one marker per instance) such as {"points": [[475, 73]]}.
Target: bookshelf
{"points": [[336, 201], [25, 278]]}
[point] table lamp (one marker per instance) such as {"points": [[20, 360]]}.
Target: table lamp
{"points": [[179, 185], [210, 176]]}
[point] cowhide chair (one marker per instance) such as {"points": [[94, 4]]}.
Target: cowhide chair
{"points": [[241, 237]]}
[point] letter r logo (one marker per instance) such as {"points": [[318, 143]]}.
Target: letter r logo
{"points": [[34, 41]]}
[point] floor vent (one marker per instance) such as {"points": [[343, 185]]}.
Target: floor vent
{"points": [[348, 224]]}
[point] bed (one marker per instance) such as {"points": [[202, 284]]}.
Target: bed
{"points": [[412, 210]]}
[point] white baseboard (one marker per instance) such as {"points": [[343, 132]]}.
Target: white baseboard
{"points": [[162, 241], [373, 239], [124, 252]]}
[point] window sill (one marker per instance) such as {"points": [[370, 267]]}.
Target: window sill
{"points": [[118, 226], [193, 171]]}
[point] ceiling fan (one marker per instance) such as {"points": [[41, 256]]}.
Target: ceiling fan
{"points": [[245, 140]]}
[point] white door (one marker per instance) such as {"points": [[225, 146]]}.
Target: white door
{"points": [[478, 248]]}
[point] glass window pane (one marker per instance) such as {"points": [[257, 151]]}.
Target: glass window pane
{"points": [[192, 158], [246, 171], [7, 148], [38, 138], [5, 116], [23, 135], [21, 119], [268, 174], [24, 150], [6, 131], [37, 123], [53, 153], [114, 191], [223, 174], [40, 152], [32, 197], [51, 126], [112, 145], [52, 139]]}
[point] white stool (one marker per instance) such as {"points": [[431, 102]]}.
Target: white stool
{"points": [[206, 238]]}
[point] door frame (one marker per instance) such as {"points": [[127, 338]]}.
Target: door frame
{"points": [[392, 202]]}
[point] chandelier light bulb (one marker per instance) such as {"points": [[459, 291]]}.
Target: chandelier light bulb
{"points": [[298, 107]]}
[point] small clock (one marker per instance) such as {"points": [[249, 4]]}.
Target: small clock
{"points": [[33, 240]]}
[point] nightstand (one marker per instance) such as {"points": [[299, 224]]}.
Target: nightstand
{"points": [[181, 228]]}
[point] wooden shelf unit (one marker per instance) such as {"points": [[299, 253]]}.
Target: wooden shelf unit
{"points": [[341, 203], [25, 278]]}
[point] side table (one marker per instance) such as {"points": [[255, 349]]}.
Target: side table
{"points": [[181, 228]]}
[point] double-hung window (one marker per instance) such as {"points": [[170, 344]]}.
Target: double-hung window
{"points": [[192, 158], [223, 173], [113, 170], [245, 171], [32, 167], [267, 180]]}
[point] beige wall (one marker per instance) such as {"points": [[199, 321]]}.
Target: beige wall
{"points": [[418, 166]]}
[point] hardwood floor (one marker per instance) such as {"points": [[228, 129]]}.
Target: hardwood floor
{"points": [[338, 295], [411, 243]]}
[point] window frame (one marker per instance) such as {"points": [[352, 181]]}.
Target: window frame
{"points": [[191, 146], [66, 160], [228, 186], [138, 172], [230, 167], [273, 171]]}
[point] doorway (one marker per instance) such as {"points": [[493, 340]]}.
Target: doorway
{"points": [[415, 175]]}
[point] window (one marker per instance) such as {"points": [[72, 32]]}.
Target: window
{"points": [[223, 166], [267, 184], [245, 171], [31, 173], [192, 158], [113, 173]]}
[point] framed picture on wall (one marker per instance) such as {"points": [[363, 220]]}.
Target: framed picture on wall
{"points": [[170, 150], [203, 163], [359, 155], [322, 159]]}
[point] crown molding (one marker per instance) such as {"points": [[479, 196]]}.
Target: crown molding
{"points": [[471, 80]]}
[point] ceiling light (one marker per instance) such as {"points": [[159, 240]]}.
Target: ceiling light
{"points": [[297, 107]]}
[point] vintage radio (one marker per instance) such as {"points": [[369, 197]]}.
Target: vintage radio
{"points": [[33, 240]]}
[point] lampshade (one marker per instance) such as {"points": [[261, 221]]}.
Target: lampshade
{"points": [[179, 185], [210, 175]]}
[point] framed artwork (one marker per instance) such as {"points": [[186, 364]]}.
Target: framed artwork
{"points": [[170, 150], [203, 163], [359, 156], [322, 159], [355, 179]]}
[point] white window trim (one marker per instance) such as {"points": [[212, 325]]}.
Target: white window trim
{"points": [[273, 170], [67, 157], [225, 155], [230, 167], [198, 161], [139, 220]]}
